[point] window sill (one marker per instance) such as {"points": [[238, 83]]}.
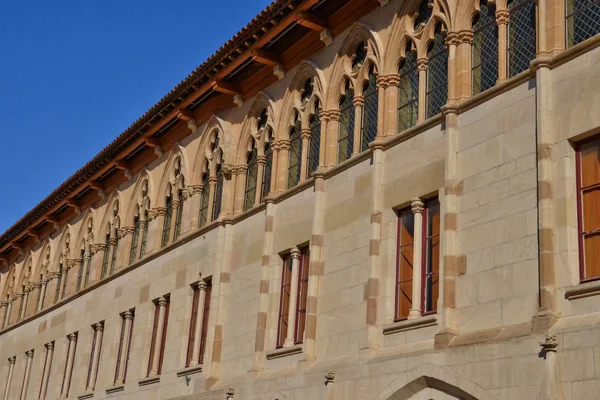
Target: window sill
{"points": [[189, 371], [115, 389], [85, 396], [583, 290], [409, 324], [284, 352], [149, 380]]}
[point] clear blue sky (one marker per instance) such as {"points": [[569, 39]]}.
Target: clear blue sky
{"points": [[75, 74]]}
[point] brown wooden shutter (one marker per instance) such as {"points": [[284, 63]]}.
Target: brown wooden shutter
{"points": [[431, 258], [302, 295], [153, 340], [589, 224], [192, 335], [404, 262], [284, 303], [164, 336], [205, 323]]}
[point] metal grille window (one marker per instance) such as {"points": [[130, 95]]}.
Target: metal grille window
{"points": [[295, 156], [134, 239], [521, 35], [346, 132], [485, 48], [216, 206], [204, 202], [266, 178], [179, 216], [115, 250], [370, 109], [582, 20], [437, 76], [80, 272], [408, 92], [251, 179], [144, 235], [315, 142], [106, 256], [167, 221]]}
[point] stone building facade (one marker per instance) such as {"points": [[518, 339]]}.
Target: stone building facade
{"points": [[360, 199]]}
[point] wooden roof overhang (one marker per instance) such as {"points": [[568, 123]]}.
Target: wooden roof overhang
{"points": [[281, 36]]}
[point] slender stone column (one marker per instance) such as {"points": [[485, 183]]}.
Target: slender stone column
{"points": [[124, 348], [274, 166], [8, 311], [241, 173], [11, 368], [199, 320], [98, 333], [194, 206], [417, 209], [159, 223], [46, 375], [551, 389], [304, 154], [64, 393], [422, 66], [25, 300], [358, 103], [123, 251], [451, 43], [331, 137], [261, 161], [290, 339], [27, 374], [42, 289], [113, 248], [329, 378], [284, 162], [162, 305], [212, 183], [324, 117], [382, 84], [502, 19]]}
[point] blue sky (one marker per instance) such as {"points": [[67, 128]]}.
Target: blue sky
{"points": [[75, 74]]}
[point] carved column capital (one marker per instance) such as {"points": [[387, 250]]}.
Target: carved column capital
{"points": [[329, 377], [502, 17], [186, 193], [212, 181], [417, 206], [12, 359], [202, 285], [162, 302], [261, 159], [452, 39], [197, 189], [72, 337], [159, 212], [29, 353], [99, 327], [358, 101], [422, 64], [94, 248], [305, 133], [382, 81], [549, 344], [295, 253], [128, 315], [284, 145], [71, 262], [334, 115], [465, 36], [50, 346]]}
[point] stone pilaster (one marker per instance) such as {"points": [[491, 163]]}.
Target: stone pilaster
{"points": [[11, 369]]}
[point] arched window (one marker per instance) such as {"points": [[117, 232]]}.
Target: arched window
{"points": [[485, 48], [216, 206], [251, 178], [437, 75], [582, 20], [144, 234], [266, 178], [202, 219], [315, 141], [106, 255], [167, 222], [135, 239], [369, 118], [80, 272], [295, 157], [521, 35], [346, 132], [408, 92], [179, 216]]}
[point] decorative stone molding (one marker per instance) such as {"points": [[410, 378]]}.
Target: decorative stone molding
{"points": [[295, 253], [262, 160], [186, 193], [72, 262], [127, 230], [159, 212], [422, 64], [382, 81], [197, 189], [128, 315], [334, 115], [99, 327], [305, 133], [417, 206], [358, 101], [162, 302], [452, 39], [549, 344], [50, 346], [284, 144], [329, 377], [202, 285], [502, 17], [465, 37], [94, 248]]}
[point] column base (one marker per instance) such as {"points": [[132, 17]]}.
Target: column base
{"points": [[414, 314]]}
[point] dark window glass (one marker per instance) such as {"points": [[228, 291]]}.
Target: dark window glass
{"points": [[437, 76], [485, 48], [408, 92], [346, 130], [370, 110]]}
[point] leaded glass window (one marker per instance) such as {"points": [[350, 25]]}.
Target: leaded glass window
{"points": [[266, 178], [295, 156], [346, 130], [485, 48], [315, 142], [583, 20], [166, 233], [408, 92], [521, 35], [251, 178], [134, 239], [202, 219], [437, 76], [179, 216], [369, 117], [216, 206]]}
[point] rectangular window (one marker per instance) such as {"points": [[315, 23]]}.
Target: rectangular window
{"points": [[124, 358], [588, 183], [299, 311], [404, 263], [429, 268], [156, 340]]}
